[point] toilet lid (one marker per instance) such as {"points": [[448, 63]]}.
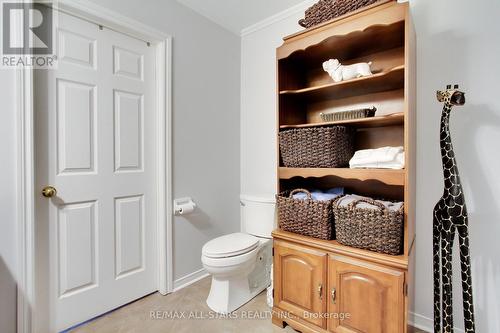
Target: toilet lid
{"points": [[230, 245]]}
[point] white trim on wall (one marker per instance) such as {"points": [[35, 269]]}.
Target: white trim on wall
{"points": [[189, 279], [426, 324], [301, 7], [25, 155], [277, 17], [164, 176], [92, 12], [25, 198]]}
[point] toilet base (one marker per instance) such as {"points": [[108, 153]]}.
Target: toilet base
{"points": [[233, 286], [228, 295]]}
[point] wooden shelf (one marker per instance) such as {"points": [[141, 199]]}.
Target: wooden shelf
{"points": [[362, 38], [381, 121], [384, 81], [399, 261], [387, 176]]}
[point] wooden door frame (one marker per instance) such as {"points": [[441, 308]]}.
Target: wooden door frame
{"points": [[26, 192]]}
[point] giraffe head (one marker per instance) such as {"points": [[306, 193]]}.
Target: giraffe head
{"points": [[451, 95]]}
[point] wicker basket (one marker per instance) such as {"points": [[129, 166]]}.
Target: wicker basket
{"points": [[379, 230], [326, 10], [348, 114], [305, 216], [318, 147]]}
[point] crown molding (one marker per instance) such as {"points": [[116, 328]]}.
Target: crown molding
{"points": [[277, 17]]}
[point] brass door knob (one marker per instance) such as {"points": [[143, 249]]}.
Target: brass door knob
{"points": [[49, 191]]}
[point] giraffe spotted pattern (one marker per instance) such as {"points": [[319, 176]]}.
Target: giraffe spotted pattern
{"points": [[450, 218]]}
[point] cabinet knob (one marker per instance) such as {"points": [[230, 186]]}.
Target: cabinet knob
{"points": [[320, 291], [334, 295]]}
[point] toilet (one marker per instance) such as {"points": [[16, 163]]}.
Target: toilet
{"points": [[240, 263]]}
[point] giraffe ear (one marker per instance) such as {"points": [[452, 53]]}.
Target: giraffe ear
{"points": [[440, 96]]}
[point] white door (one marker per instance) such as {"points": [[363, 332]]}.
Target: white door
{"points": [[95, 144]]}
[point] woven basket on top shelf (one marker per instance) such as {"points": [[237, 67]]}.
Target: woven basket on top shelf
{"points": [[326, 10], [348, 114], [380, 230], [305, 216], [317, 147]]}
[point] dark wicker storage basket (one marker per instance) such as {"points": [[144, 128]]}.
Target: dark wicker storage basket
{"points": [[379, 230], [305, 216], [318, 147], [326, 10], [348, 114]]}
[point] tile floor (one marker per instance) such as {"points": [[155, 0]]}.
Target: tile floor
{"points": [[156, 313]]}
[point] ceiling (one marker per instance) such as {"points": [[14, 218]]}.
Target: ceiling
{"points": [[236, 15]]}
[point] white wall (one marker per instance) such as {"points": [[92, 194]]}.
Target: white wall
{"points": [[258, 106], [456, 44], [8, 244], [206, 93]]}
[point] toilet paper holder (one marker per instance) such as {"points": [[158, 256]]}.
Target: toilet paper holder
{"points": [[183, 206]]}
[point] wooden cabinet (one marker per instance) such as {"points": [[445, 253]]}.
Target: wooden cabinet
{"points": [[320, 288], [369, 287], [300, 283], [369, 297]]}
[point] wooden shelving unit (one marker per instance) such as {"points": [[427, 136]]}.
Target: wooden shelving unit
{"points": [[400, 261], [379, 121], [383, 35], [390, 79], [386, 176]]}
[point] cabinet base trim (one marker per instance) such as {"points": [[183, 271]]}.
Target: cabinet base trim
{"points": [[282, 318]]}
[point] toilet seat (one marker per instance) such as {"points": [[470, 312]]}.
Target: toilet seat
{"points": [[230, 246]]}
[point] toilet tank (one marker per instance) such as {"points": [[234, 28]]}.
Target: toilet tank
{"points": [[258, 215]]}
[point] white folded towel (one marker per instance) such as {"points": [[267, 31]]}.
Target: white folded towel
{"points": [[346, 200], [382, 158]]}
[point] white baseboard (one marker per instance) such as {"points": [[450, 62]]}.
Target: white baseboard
{"points": [[189, 279], [425, 323]]}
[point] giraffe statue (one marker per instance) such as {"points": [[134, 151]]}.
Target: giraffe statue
{"points": [[450, 217]]}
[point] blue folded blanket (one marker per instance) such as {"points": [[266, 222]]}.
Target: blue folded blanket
{"points": [[321, 195]]}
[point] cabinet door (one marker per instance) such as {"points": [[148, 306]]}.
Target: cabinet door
{"points": [[299, 281], [369, 297]]}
